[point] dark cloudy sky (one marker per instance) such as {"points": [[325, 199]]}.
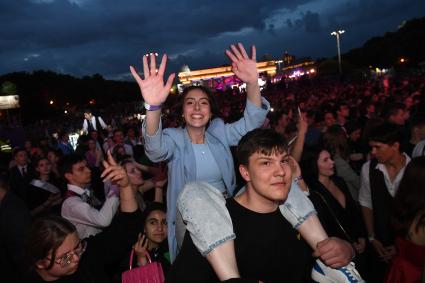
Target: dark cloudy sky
{"points": [[83, 37]]}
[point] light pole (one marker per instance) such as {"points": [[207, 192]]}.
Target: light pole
{"points": [[337, 34]]}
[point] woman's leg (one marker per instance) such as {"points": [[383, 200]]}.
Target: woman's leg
{"points": [[203, 209], [300, 212]]}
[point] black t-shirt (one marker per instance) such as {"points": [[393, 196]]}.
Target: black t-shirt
{"points": [[267, 249]]}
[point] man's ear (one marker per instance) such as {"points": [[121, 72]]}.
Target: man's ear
{"points": [[244, 173], [68, 176]]}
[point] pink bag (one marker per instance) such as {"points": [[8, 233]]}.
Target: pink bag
{"points": [[150, 273]]}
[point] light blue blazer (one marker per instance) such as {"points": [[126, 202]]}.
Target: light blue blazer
{"points": [[173, 145]]}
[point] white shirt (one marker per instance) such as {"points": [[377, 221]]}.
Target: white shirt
{"points": [[93, 122], [87, 219], [365, 197], [419, 149]]}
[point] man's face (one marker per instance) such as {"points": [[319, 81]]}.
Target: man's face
{"points": [[81, 174], [21, 158], [87, 116], [118, 137], [344, 111], [269, 177], [384, 152]]}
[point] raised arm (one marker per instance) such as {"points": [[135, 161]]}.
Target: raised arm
{"points": [[153, 89], [245, 68]]}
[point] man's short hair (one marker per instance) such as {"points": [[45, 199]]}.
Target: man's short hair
{"points": [[418, 120], [67, 162], [392, 109], [88, 111], [264, 141], [16, 150], [387, 133]]}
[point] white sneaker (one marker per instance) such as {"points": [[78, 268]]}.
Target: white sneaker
{"points": [[324, 274]]}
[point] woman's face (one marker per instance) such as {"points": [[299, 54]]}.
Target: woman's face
{"points": [[196, 109], [325, 164], [134, 174], [44, 167], [92, 144], [156, 227], [67, 258], [52, 157]]}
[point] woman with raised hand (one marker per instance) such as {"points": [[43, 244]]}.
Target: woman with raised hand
{"points": [[200, 150]]}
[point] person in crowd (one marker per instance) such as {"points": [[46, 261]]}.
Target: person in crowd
{"points": [[118, 138], [96, 137], [20, 174], [54, 156], [92, 122], [395, 113], [94, 155], [64, 145], [335, 139], [80, 206], [44, 195], [14, 226], [57, 253], [140, 185], [417, 133], [337, 209], [153, 240], [342, 114], [408, 265], [202, 140], [131, 137], [380, 179], [272, 256], [329, 119]]}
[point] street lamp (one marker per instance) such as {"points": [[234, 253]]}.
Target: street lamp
{"points": [[337, 34]]}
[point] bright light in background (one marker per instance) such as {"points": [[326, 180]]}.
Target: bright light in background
{"points": [[66, 112], [51, 102], [402, 60]]}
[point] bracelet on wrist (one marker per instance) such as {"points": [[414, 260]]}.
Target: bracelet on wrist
{"points": [[371, 238], [298, 179], [150, 107]]}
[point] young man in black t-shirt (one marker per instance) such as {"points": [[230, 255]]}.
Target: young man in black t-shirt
{"points": [[267, 248]]}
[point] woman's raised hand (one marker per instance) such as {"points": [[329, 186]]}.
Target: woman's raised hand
{"points": [[244, 67], [153, 89]]}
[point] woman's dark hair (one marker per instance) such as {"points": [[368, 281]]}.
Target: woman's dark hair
{"points": [[150, 208], [309, 168], [213, 104], [335, 141], [46, 235], [36, 162], [410, 197]]}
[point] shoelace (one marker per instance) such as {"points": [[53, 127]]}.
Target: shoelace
{"points": [[352, 271]]}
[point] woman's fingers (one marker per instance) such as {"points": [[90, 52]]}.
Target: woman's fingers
{"points": [[153, 64], [163, 65], [253, 53], [231, 56], [236, 52], [242, 49], [135, 75], [145, 67]]}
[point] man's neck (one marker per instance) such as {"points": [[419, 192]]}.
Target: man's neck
{"points": [[396, 163], [252, 201]]}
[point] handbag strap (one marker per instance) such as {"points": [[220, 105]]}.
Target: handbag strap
{"points": [[132, 256], [333, 215]]}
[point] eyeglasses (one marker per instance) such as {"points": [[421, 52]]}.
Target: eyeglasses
{"points": [[66, 258]]}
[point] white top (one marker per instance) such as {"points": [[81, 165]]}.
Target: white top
{"points": [[93, 121], [365, 197], [419, 149], [87, 219]]}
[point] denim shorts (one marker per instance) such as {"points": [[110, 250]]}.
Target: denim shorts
{"points": [[202, 211]]}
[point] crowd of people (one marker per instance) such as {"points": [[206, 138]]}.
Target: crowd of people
{"points": [[314, 180]]}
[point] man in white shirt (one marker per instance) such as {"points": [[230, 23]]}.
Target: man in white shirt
{"points": [[380, 179], [92, 122], [79, 205]]}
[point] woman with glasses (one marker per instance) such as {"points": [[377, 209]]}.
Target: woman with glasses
{"points": [[56, 253]]}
